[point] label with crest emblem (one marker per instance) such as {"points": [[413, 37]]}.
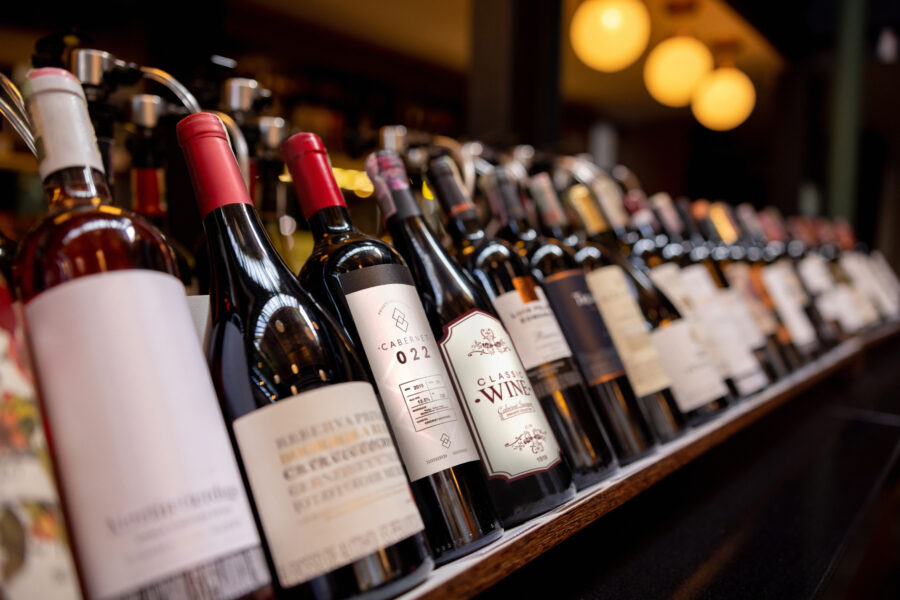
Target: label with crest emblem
{"points": [[504, 413]]}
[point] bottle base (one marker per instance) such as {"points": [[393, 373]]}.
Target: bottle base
{"points": [[539, 508], [469, 548], [589, 478]]}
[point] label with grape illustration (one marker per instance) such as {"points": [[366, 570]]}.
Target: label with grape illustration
{"points": [[504, 413], [418, 398]]}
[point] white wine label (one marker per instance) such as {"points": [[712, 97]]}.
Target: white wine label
{"points": [[506, 418], [714, 309], [862, 271], [863, 305], [669, 278], [779, 285], [530, 322], [694, 381], [607, 192], [743, 318], [793, 282], [814, 273], [629, 330], [416, 392], [326, 479], [740, 278], [146, 467]]}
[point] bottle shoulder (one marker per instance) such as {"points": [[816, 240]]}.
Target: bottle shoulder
{"points": [[86, 240], [340, 253]]}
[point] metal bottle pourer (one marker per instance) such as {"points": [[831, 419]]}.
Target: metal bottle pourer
{"points": [[99, 72], [272, 131], [146, 110], [12, 106]]}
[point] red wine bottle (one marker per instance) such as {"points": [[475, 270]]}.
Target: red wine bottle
{"points": [[151, 490], [520, 453], [333, 506], [366, 284], [524, 312], [562, 279]]}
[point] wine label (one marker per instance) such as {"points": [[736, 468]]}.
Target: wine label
{"points": [[528, 318], [668, 278], [694, 381], [539, 341], [504, 413], [610, 198], [779, 285], [740, 278], [715, 310], [629, 330], [146, 467], [743, 318], [580, 320], [814, 273], [861, 271], [326, 479], [415, 390]]}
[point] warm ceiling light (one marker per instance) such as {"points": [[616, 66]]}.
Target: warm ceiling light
{"points": [[674, 67], [609, 35], [724, 98]]}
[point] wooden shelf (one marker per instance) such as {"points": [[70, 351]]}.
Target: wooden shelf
{"points": [[472, 574]]}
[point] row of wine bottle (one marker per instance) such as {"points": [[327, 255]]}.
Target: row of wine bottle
{"points": [[394, 405]]}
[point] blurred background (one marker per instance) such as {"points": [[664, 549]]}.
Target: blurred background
{"points": [[821, 137]]}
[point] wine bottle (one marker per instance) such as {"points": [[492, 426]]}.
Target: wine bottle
{"points": [[758, 324], [697, 387], [366, 284], [151, 490], [562, 279], [148, 179], [627, 302], [332, 503], [858, 266], [512, 418], [777, 275], [830, 299], [529, 322], [793, 252], [861, 312]]}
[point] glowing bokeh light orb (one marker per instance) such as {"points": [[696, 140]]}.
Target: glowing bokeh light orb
{"points": [[674, 67], [609, 35], [724, 98]]}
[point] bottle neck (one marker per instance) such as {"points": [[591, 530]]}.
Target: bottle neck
{"points": [[465, 229], [76, 186], [331, 220], [508, 210], [242, 259]]}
